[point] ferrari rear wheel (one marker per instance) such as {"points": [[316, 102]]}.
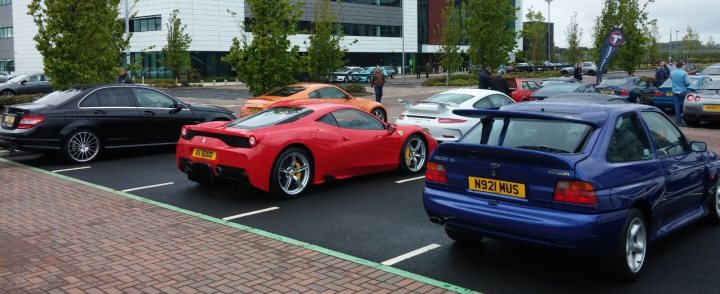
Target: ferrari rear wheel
{"points": [[291, 173], [413, 154]]}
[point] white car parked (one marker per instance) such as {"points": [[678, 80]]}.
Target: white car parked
{"points": [[435, 113], [344, 75]]}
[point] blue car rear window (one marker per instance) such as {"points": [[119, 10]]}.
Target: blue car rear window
{"points": [[537, 134]]}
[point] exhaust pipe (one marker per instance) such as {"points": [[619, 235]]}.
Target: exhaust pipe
{"points": [[218, 170], [437, 220], [187, 166]]}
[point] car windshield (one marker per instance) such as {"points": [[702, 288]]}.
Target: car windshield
{"points": [[714, 85], [57, 97], [537, 134], [18, 79], [270, 117], [613, 82], [557, 88], [711, 71], [694, 83], [285, 91], [452, 98]]}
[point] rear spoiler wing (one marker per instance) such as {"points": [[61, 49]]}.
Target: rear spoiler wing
{"points": [[481, 113], [410, 103]]}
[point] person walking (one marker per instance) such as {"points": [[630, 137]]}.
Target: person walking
{"points": [[660, 74], [123, 77], [484, 79], [680, 82], [428, 68], [577, 73], [378, 81], [500, 84]]}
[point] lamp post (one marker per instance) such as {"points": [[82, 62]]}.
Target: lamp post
{"points": [[676, 43], [548, 30]]}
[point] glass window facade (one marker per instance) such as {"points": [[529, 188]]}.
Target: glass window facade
{"points": [[5, 2], [392, 3], [6, 32], [349, 29], [7, 65], [208, 64], [146, 24]]}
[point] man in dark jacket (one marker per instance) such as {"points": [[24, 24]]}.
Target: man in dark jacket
{"points": [[123, 77], [500, 84], [484, 81], [661, 75], [378, 81], [577, 73]]}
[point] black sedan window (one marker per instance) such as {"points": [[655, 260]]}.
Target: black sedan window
{"points": [[271, 117], [57, 98], [152, 99], [114, 97]]}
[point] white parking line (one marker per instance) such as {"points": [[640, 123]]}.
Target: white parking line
{"points": [[148, 187], [70, 169], [410, 254], [408, 180], [250, 213]]}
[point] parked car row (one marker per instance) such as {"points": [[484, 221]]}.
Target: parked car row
{"points": [[359, 74], [36, 83]]}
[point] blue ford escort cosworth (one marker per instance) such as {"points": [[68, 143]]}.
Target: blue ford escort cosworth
{"points": [[607, 179]]}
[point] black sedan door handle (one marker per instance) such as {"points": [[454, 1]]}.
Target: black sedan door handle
{"points": [[99, 112], [149, 113]]}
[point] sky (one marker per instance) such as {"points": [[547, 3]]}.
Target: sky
{"points": [[671, 15]]}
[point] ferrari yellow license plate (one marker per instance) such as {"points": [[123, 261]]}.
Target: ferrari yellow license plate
{"points": [[714, 108], [204, 154], [497, 187], [9, 119]]}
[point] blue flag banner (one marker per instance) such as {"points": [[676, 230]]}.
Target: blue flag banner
{"points": [[609, 48]]}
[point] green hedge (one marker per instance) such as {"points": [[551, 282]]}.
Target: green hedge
{"points": [[354, 88], [12, 100]]}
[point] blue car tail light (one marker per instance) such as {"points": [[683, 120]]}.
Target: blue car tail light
{"points": [[435, 172], [575, 192]]}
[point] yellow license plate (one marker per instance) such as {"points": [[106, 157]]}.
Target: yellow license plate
{"points": [[497, 187], [9, 119], [669, 94], [205, 154], [608, 92], [711, 107], [254, 110]]}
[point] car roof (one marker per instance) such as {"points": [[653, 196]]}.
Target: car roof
{"points": [[311, 86], [316, 105], [587, 98], [591, 113], [473, 92]]}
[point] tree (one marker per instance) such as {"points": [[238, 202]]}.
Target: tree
{"points": [[691, 40], [80, 41], [324, 54], [451, 34], [268, 61], [490, 37], [710, 42], [175, 57], [631, 17], [573, 36], [652, 32], [534, 32]]}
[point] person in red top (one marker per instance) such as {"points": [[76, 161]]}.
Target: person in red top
{"points": [[378, 81]]}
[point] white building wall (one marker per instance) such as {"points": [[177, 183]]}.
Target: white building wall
{"points": [[27, 58]]}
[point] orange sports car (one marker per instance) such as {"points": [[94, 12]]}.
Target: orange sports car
{"points": [[319, 92]]}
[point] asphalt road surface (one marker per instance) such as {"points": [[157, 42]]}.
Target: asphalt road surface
{"points": [[379, 218]]}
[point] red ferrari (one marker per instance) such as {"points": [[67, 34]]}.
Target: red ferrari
{"points": [[285, 149]]}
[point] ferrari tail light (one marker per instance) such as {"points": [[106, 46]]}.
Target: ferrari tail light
{"points": [[184, 132], [624, 93], [252, 141], [444, 120], [435, 172], [30, 121], [575, 192], [690, 97]]}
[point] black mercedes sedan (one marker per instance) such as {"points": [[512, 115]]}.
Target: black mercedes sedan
{"points": [[81, 122]]}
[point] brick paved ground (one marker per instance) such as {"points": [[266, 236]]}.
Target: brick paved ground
{"points": [[60, 236]]}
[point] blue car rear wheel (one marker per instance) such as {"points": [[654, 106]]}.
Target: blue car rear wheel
{"points": [[627, 263], [713, 205]]}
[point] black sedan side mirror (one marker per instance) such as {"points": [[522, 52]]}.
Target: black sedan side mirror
{"points": [[177, 108], [698, 146], [23, 82]]}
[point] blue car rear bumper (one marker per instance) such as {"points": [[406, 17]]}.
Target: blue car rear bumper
{"points": [[598, 233], [664, 101]]}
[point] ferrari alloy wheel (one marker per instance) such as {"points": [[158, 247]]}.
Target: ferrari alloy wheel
{"points": [[291, 173], [713, 206], [413, 154], [82, 146], [379, 113], [628, 261]]}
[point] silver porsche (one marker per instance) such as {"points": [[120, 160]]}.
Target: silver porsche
{"points": [[703, 105]]}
